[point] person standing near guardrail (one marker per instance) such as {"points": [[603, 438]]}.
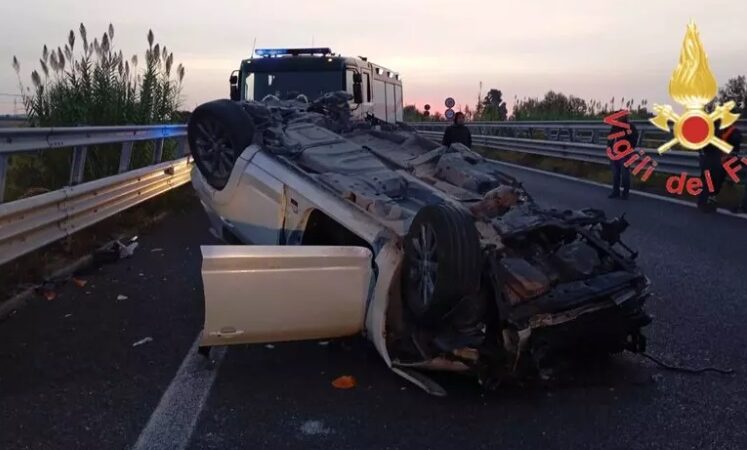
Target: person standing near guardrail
{"points": [[711, 159], [620, 173], [458, 132], [737, 143]]}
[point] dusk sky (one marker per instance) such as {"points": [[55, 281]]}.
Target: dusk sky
{"points": [[588, 48]]}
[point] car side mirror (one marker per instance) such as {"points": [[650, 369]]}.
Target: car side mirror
{"points": [[234, 82], [357, 88]]}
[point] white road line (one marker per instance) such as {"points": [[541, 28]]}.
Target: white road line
{"points": [[172, 422], [609, 186]]}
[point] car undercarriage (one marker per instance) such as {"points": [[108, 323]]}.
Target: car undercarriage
{"points": [[489, 283]]}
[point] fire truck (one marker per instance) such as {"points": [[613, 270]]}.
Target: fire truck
{"points": [[289, 72]]}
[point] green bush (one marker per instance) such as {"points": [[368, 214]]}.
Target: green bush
{"points": [[83, 83]]}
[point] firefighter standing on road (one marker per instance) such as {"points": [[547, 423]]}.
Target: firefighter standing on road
{"points": [[457, 132], [620, 173], [712, 159]]}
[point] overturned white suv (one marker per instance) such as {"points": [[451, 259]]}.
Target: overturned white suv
{"points": [[439, 258]]}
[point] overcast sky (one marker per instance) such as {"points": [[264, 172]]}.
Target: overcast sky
{"points": [[589, 48]]}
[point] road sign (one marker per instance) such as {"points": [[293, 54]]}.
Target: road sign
{"points": [[449, 102], [449, 113], [427, 107]]}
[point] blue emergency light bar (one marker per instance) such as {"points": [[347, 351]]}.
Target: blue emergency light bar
{"points": [[293, 51]]}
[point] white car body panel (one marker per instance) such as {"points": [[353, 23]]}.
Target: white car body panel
{"points": [[283, 202], [257, 294]]}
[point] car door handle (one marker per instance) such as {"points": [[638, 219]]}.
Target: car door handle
{"points": [[226, 332]]}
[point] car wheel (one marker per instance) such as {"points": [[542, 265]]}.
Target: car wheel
{"points": [[442, 261], [218, 132]]}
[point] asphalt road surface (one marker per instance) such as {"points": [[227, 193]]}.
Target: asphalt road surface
{"points": [[70, 376]]}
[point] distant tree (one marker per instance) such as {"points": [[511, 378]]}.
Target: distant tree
{"points": [[735, 89], [492, 107], [468, 114], [411, 114]]}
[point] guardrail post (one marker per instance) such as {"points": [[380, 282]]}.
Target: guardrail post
{"points": [[158, 151], [3, 171], [78, 165], [182, 148], [125, 157]]}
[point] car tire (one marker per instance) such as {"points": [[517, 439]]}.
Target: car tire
{"points": [[218, 132], [442, 262]]}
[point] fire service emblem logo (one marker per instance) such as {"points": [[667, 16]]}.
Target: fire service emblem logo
{"points": [[693, 86]]}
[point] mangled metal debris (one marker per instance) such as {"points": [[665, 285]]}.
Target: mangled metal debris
{"points": [[469, 273]]}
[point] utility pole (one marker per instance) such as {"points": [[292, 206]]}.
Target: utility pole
{"points": [[479, 99]]}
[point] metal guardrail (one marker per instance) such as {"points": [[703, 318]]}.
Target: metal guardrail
{"points": [[672, 162], [570, 130], [31, 223], [14, 141], [574, 140]]}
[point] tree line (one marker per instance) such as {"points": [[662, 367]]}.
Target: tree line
{"points": [[559, 106]]}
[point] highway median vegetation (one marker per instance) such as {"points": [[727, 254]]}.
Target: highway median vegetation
{"points": [[90, 83]]}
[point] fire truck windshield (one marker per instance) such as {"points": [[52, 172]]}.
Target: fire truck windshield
{"points": [[289, 84]]}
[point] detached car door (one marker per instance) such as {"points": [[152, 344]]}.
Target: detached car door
{"points": [[273, 293]]}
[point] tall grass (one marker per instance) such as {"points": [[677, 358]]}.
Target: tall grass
{"points": [[85, 82], [558, 106]]}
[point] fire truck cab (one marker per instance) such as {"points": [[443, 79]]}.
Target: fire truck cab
{"points": [[287, 73]]}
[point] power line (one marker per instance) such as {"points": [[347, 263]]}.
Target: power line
{"points": [[10, 95]]}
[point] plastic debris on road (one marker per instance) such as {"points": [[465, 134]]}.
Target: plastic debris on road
{"points": [[314, 428], [344, 382], [125, 251], [143, 341], [113, 252], [79, 282], [47, 290], [121, 297]]}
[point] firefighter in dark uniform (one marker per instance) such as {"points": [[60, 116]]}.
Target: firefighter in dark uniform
{"points": [[712, 160], [457, 132], [620, 173], [735, 139]]}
